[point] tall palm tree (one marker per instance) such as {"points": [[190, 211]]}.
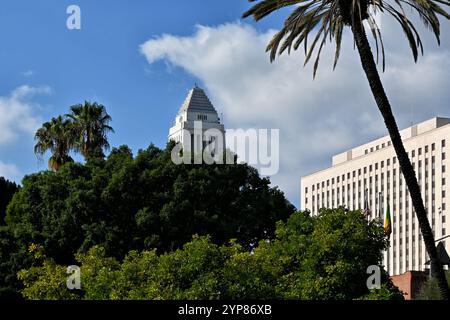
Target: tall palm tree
{"points": [[91, 123], [326, 19], [57, 137]]}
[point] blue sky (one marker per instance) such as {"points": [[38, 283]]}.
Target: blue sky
{"points": [[46, 68], [100, 62]]}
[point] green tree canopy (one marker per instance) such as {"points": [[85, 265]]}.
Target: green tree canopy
{"points": [[324, 257], [125, 203]]}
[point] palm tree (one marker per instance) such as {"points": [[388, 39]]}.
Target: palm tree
{"points": [[57, 137], [91, 123], [326, 19]]}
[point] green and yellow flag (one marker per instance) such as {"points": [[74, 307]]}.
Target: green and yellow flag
{"points": [[387, 222]]}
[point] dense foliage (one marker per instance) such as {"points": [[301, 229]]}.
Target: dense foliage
{"points": [[128, 203], [323, 257], [7, 190]]}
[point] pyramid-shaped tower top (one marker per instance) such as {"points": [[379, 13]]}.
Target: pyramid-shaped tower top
{"points": [[197, 100]]}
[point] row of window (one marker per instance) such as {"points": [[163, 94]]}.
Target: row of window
{"points": [[388, 144], [399, 262], [368, 190], [382, 164], [378, 147]]}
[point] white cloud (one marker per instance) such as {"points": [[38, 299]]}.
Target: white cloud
{"points": [[316, 118], [19, 115], [9, 171]]}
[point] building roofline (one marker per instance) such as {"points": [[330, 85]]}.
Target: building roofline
{"points": [[383, 149]]}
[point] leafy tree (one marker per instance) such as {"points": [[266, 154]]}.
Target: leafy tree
{"points": [[13, 258], [430, 289], [49, 275], [326, 19], [7, 190], [386, 292], [312, 258], [57, 137], [91, 126], [125, 203]]}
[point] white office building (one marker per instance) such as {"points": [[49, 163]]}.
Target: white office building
{"points": [[372, 169]]}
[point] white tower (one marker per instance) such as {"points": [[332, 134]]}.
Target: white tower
{"points": [[198, 124]]}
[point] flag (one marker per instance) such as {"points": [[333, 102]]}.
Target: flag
{"points": [[387, 222]]}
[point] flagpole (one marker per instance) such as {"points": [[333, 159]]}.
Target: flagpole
{"points": [[368, 205], [365, 205], [380, 213], [380, 206]]}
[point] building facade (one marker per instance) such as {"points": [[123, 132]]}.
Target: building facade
{"points": [[197, 124], [371, 173]]}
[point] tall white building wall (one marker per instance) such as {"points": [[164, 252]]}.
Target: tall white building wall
{"points": [[374, 167]]}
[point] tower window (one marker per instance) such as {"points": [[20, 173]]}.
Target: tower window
{"points": [[202, 117]]}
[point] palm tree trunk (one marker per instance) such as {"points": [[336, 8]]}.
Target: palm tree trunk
{"points": [[370, 68]]}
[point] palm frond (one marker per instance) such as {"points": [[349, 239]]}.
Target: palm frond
{"points": [[324, 20]]}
